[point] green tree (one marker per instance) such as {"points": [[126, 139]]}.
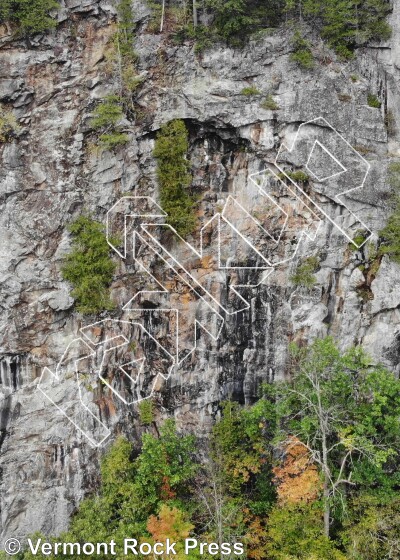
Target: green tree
{"points": [[170, 150], [344, 24], [134, 491], [296, 532], [235, 20], [31, 16], [302, 54], [372, 529], [126, 56], [350, 23], [89, 267], [235, 489], [125, 32], [346, 413], [240, 448], [164, 469]]}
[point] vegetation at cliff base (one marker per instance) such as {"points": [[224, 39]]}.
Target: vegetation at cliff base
{"points": [[89, 267], [310, 471], [31, 16], [170, 150], [345, 412]]}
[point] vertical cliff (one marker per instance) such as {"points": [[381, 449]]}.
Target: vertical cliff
{"points": [[51, 173]]}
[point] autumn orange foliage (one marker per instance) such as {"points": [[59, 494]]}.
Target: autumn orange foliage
{"points": [[297, 476], [166, 491], [171, 524], [256, 536]]}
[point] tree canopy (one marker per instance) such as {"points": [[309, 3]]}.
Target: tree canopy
{"points": [[345, 412], [310, 471]]}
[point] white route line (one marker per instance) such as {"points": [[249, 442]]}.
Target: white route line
{"points": [[101, 427], [129, 208], [320, 121], [318, 143]]}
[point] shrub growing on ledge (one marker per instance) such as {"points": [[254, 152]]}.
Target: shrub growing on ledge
{"points": [[269, 103], [112, 140], [302, 54], [298, 176], [106, 117], [391, 232], [31, 16], [250, 90], [359, 238], [89, 267], [146, 412], [373, 101], [304, 275], [8, 125], [173, 175]]}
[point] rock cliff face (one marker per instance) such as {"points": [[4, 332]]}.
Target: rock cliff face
{"points": [[49, 175]]}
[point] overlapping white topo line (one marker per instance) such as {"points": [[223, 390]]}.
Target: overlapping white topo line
{"points": [[322, 124], [100, 432], [210, 332], [130, 205], [121, 341]]}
